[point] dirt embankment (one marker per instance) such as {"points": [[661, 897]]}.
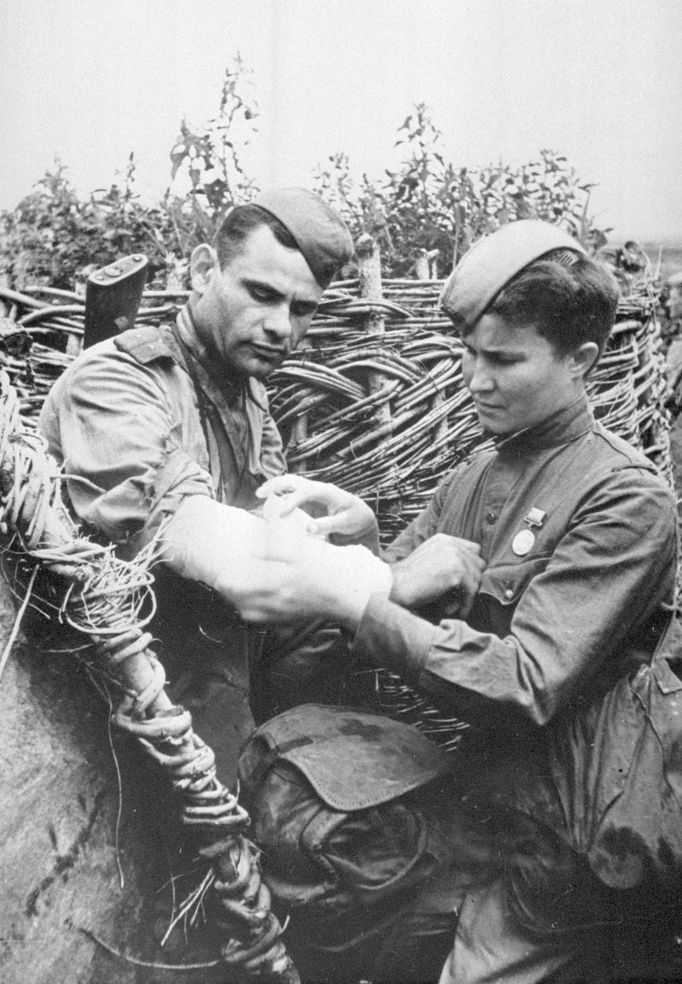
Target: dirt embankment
{"points": [[68, 835]]}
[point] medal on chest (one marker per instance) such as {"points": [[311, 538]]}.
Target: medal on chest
{"points": [[524, 540]]}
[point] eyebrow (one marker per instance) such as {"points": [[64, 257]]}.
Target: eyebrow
{"points": [[263, 285], [308, 303], [502, 350]]}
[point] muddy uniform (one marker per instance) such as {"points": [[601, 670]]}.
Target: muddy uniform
{"points": [[578, 535]]}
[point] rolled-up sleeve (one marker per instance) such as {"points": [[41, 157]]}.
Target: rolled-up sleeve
{"points": [[114, 427]]}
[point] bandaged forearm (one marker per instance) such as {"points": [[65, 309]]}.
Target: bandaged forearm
{"points": [[321, 579], [270, 570], [348, 576], [207, 541]]}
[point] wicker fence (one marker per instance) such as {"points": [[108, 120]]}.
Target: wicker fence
{"points": [[385, 413], [375, 400]]}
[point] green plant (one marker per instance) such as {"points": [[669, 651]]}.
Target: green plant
{"points": [[427, 212], [54, 237], [209, 161]]}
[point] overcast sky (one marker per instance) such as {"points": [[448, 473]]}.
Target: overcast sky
{"points": [[597, 80]]}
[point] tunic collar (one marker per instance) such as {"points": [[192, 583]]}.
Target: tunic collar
{"points": [[232, 412], [562, 427], [231, 389]]}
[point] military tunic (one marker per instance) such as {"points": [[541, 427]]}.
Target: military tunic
{"points": [[139, 422], [578, 533], [126, 422]]}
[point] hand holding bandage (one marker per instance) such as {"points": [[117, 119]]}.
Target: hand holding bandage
{"points": [[271, 571], [311, 578], [333, 511]]}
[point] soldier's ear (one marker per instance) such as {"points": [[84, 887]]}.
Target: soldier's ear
{"points": [[584, 358], [202, 263]]}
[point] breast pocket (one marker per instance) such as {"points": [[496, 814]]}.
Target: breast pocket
{"points": [[501, 588], [507, 582]]}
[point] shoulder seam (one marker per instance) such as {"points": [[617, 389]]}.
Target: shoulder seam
{"points": [[144, 344]]}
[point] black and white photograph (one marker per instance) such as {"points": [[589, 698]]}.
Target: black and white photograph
{"points": [[340, 484]]}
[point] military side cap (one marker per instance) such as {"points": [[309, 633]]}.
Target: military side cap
{"points": [[494, 260], [320, 233]]}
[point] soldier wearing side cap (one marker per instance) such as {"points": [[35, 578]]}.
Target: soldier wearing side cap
{"points": [[541, 573], [170, 427]]}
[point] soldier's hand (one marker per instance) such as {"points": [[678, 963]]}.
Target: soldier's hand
{"points": [[441, 567], [291, 576], [333, 511]]}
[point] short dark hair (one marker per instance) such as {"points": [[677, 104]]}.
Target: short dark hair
{"points": [[237, 226], [568, 298]]}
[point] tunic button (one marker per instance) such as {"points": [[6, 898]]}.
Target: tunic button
{"points": [[509, 594], [491, 518]]}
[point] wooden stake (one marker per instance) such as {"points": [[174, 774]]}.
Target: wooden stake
{"points": [[375, 323]]}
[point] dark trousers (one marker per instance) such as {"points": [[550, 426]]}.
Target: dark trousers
{"points": [[231, 675]]}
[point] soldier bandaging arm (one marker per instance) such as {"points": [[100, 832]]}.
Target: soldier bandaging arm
{"points": [[573, 559], [530, 582], [173, 422], [170, 425]]}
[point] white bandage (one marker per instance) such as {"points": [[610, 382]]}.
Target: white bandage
{"points": [[297, 519], [370, 575], [348, 576], [254, 563], [205, 539]]}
